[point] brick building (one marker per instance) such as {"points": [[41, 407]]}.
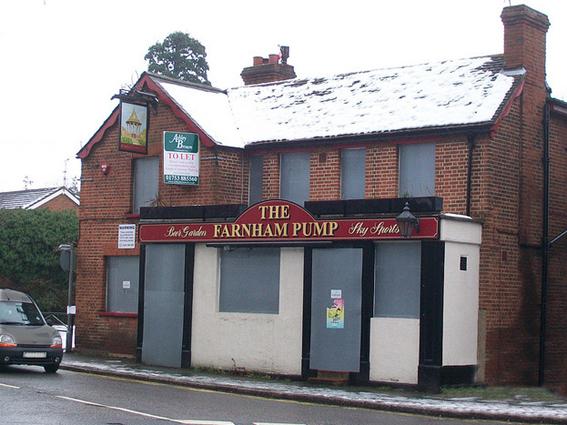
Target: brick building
{"points": [[251, 267]]}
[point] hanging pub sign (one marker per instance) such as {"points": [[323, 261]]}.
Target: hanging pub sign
{"points": [[133, 128], [180, 158], [284, 221]]}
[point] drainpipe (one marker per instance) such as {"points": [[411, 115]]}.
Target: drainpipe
{"points": [[471, 144], [545, 245]]}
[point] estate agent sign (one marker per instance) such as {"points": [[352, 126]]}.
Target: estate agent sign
{"points": [[279, 220], [180, 158]]}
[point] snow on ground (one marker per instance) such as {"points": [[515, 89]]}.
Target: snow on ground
{"points": [[466, 406]]}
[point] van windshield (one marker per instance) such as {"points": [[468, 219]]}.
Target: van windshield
{"points": [[20, 313]]}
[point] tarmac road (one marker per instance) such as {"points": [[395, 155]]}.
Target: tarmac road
{"points": [[29, 396]]}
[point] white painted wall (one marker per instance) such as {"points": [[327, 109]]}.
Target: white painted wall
{"points": [[460, 298], [394, 350], [259, 342]]}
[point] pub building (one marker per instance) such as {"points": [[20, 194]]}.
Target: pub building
{"points": [[382, 226]]}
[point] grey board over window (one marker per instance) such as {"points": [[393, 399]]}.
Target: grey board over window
{"points": [[294, 177], [352, 173], [122, 284], [417, 170], [397, 279], [256, 175], [146, 182], [250, 280]]}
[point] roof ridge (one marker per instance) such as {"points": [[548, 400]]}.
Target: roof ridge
{"points": [[179, 82], [386, 68], [32, 190]]}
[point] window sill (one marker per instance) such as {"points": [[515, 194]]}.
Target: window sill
{"points": [[133, 216], [116, 314]]}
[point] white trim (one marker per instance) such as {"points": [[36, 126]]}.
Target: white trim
{"points": [[61, 191]]}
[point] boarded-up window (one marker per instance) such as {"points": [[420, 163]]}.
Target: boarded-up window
{"points": [[352, 173], [256, 175], [294, 177], [397, 279], [146, 182], [250, 280], [122, 284], [417, 170]]}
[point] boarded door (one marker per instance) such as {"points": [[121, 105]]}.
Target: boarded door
{"points": [[336, 309], [164, 294]]}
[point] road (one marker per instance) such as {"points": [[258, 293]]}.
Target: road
{"points": [[29, 396]]}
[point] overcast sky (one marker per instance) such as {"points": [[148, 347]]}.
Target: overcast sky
{"points": [[62, 60]]}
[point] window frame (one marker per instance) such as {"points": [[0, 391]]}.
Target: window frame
{"points": [[342, 162], [281, 161], [222, 307], [107, 303], [252, 159], [156, 159], [402, 192]]}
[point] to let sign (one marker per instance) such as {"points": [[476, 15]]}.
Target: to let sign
{"points": [[180, 158]]}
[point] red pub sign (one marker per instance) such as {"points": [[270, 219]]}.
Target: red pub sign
{"points": [[284, 221]]}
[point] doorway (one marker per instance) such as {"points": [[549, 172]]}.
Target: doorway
{"points": [[336, 309], [164, 305]]}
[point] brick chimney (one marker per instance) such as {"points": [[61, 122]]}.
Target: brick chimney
{"points": [[524, 40], [269, 70]]}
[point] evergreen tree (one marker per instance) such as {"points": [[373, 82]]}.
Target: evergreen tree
{"points": [[179, 56], [29, 261]]}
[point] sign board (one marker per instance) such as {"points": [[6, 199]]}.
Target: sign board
{"points": [[126, 236], [133, 128], [284, 221], [180, 158]]}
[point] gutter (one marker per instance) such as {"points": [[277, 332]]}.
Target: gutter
{"points": [[398, 136]]}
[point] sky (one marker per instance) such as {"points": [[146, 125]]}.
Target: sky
{"points": [[62, 60]]}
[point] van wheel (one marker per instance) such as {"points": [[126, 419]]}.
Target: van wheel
{"points": [[51, 368]]}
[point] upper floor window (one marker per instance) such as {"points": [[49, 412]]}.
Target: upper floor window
{"points": [[256, 176], [352, 173], [146, 182], [294, 177], [417, 170]]}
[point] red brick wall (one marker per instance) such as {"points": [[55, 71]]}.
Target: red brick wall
{"points": [[61, 203], [271, 176], [556, 344], [451, 175], [381, 171], [325, 174], [509, 270]]}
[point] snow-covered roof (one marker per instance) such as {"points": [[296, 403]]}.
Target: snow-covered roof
{"points": [[452, 93], [33, 198], [208, 108], [442, 95]]}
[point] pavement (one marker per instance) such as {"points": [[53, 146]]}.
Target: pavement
{"points": [[518, 408]]}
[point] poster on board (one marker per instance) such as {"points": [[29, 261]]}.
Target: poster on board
{"points": [[336, 314]]}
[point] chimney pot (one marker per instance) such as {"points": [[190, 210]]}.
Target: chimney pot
{"points": [[268, 70]]}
